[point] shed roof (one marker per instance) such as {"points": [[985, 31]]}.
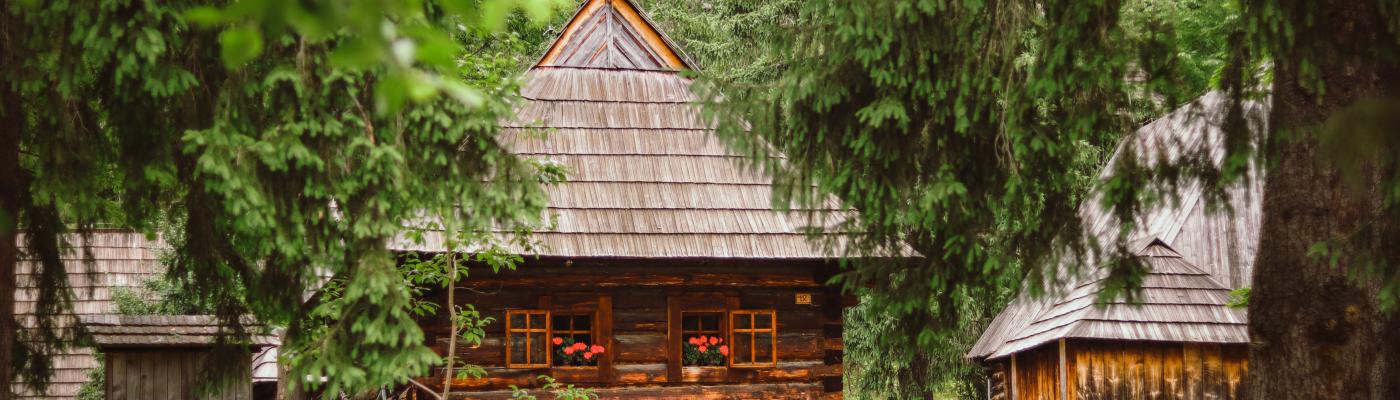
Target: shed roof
{"points": [[647, 177], [1179, 303], [148, 331], [1196, 253]]}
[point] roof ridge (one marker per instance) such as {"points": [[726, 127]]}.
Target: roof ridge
{"points": [[657, 48]]}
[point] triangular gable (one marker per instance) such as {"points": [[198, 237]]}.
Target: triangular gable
{"points": [[613, 34]]}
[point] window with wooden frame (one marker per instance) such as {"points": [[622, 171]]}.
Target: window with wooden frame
{"points": [[527, 339], [572, 341], [704, 339], [754, 338], [569, 333]]}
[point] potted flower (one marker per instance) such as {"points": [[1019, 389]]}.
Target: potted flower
{"points": [[704, 351], [567, 352]]}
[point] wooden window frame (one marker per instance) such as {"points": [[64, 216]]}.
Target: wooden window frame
{"points": [[723, 332], [527, 331], [597, 304], [591, 332], [678, 302], [753, 332]]}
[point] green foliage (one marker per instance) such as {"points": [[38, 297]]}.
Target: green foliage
{"points": [[560, 391], [968, 132], [159, 296], [413, 46], [96, 386], [724, 36], [291, 141], [1239, 298]]}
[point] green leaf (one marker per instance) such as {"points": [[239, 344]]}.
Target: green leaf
{"points": [[356, 53], [240, 45], [205, 16]]}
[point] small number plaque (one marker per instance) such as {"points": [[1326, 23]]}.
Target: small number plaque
{"points": [[804, 298]]}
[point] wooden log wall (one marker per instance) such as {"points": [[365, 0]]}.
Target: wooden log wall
{"points": [[639, 362], [1129, 370], [166, 374]]}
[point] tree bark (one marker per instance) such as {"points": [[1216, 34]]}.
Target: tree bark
{"points": [[451, 319], [1317, 332], [10, 196]]}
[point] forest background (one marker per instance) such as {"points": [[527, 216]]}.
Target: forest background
{"points": [[1144, 56]]}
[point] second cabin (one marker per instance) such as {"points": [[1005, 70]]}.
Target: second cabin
{"points": [[668, 273]]}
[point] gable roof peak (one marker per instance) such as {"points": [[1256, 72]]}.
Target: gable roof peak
{"points": [[613, 34]]}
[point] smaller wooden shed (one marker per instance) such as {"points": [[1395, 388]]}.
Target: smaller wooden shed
{"points": [[160, 356], [1180, 339]]}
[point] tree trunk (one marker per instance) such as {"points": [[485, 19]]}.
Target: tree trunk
{"points": [[10, 194], [451, 319], [285, 391], [1318, 333]]}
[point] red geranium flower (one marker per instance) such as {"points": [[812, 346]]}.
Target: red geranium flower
{"points": [[596, 349], [569, 350], [558, 341], [694, 341], [580, 345], [703, 349], [724, 350], [588, 356], [714, 340]]}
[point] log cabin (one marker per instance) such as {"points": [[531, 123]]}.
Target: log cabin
{"points": [[668, 272], [1180, 339]]}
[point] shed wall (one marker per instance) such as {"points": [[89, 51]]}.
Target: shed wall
{"points": [[1129, 370], [167, 374]]}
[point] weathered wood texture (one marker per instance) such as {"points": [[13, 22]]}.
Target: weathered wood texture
{"points": [[1214, 252], [762, 391], [1127, 370], [647, 178], [636, 324], [167, 374], [120, 259]]}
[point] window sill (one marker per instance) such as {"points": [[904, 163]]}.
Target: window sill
{"points": [[705, 374], [576, 374]]}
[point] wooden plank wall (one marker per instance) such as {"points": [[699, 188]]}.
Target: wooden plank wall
{"points": [[810, 348], [1134, 370], [1037, 373], [166, 374]]}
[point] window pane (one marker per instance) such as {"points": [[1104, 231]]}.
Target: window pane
{"points": [[763, 320], [537, 321], [538, 348], [561, 322], [763, 348], [741, 321], [709, 322], [583, 322], [517, 320], [690, 322], [517, 349], [743, 344]]}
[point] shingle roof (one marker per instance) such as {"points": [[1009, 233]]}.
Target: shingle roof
{"points": [[121, 259], [1197, 254], [1179, 302], [647, 177], [147, 331]]}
